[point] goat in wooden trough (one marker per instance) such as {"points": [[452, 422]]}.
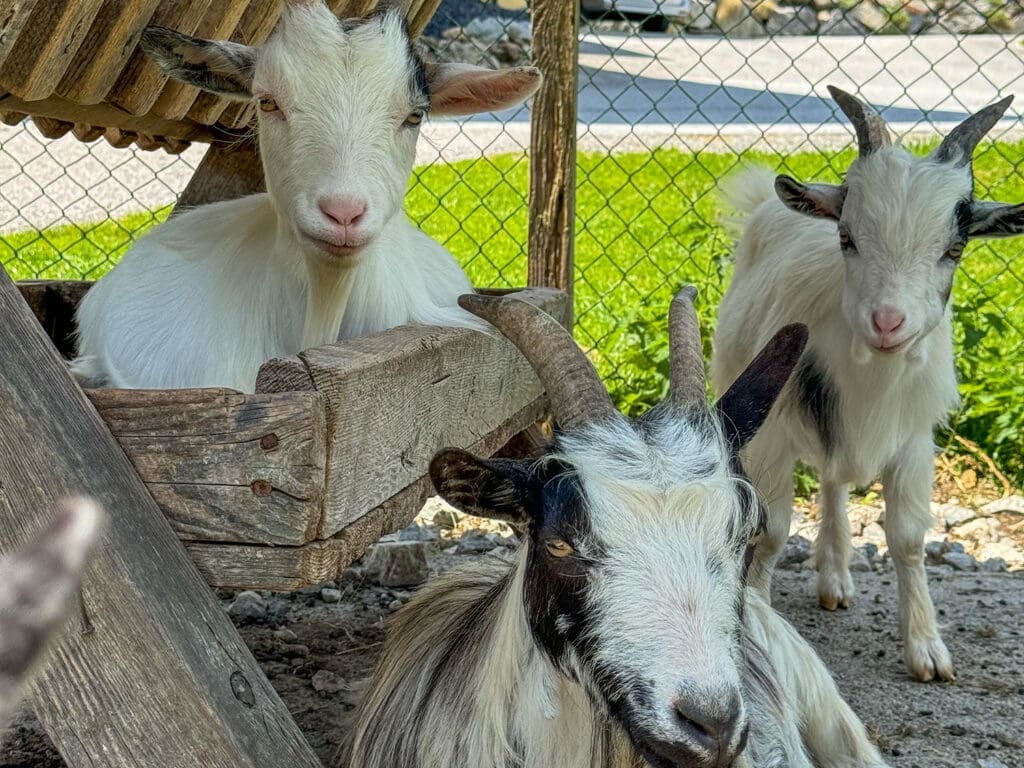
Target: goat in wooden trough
{"points": [[327, 251], [623, 634], [868, 265], [38, 584]]}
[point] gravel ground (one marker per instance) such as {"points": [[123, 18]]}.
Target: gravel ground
{"points": [[314, 643]]}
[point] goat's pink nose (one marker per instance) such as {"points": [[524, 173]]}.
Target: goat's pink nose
{"points": [[343, 211], [887, 319]]}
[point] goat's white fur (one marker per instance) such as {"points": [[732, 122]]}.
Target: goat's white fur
{"points": [[213, 293], [789, 268]]}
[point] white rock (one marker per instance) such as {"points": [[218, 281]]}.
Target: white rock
{"points": [[1013, 504]]}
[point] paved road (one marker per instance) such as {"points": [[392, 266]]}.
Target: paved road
{"points": [[696, 92]]}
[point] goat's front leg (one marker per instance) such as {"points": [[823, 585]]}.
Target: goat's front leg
{"points": [[775, 483], [832, 551], [908, 489]]}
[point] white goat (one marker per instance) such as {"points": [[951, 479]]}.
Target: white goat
{"points": [[622, 634], [868, 266], [38, 585], [327, 252]]}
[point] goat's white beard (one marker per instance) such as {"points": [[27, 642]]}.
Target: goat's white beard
{"points": [[860, 353], [326, 300]]}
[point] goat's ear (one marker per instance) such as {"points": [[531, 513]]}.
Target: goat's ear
{"points": [[744, 407], [996, 219], [823, 201], [462, 89], [223, 68], [494, 488]]}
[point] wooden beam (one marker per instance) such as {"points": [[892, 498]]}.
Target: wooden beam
{"points": [[395, 398], [227, 171], [160, 677], [553, 147]]}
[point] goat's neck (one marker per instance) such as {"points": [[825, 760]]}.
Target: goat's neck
{"points": [[326, 301], [528, 712]]}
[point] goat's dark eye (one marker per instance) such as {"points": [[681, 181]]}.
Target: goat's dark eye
{"points": [[955, 253], [268, 105], [558, 547], [415, 117], [845, 241]]}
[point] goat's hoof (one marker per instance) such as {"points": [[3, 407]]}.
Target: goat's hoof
{"points": [[928, 659], [835, 590]]}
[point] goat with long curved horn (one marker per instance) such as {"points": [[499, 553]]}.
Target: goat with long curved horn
{"points": [[872, 133], [958, 146], [686, 354], [575, 390]]}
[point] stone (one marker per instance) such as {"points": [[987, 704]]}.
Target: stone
{"points": [[990, 762], [869, 550], [858, 562], [873, 533], [802, 20], [329, 595], [953, 515], [285, 635], [994, 565], [962, 20], [839, 23], [485, 29], [519, 31], [417, 532], [980, 529], [477, 542], [869, 15], [394, 605], [446, 518], [735, 19], [326, 681], [702, 16], [933, 552], [796, 551], [397, 563], [955, 546], [960, 561], [248, 605], [1013, 504], [1004, 549]]}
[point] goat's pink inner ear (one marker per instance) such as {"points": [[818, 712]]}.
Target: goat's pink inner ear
{"points": [[462, 89]]}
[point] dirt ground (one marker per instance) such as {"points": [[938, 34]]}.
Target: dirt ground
{"points": [[311, 649]]}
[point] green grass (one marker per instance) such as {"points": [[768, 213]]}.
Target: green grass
{"points": [[647, 223]]}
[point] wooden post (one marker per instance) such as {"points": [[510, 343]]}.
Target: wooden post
{"points": [[553, 147], [153, 673], [226, 172]]}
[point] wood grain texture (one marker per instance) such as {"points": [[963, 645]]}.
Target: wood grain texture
{"points": [[46, 46], [393, 399], [141, 81], [283, 569], [553, 147], [227, 171], [162, 678], [14, 15], [113, 35], [224, 466]]}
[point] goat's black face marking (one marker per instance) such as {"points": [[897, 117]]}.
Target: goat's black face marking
{"points": [[818, 401]]}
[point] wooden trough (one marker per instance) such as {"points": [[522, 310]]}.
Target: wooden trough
{"points": [[286, 487]]}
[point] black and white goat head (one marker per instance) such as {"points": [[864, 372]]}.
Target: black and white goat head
{"points": [[622, 619], [904, 222]]}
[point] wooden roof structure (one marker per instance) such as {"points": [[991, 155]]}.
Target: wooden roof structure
{"points": [[76, 66]]}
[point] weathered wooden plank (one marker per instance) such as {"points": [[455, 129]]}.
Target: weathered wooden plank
{"points": [[553, 147], [113, 36], [14, 15], [46, 46], [420, 15], [225, 466], [283, 569], [161, 677], [284, 374], [394, 398], [109, 117], [227, 171], [141, 81]]}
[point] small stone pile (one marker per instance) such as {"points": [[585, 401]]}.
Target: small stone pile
{"points": [[486, 41]]}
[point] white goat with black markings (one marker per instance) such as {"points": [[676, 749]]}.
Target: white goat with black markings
{"points": [[868, 266], [622, 634], [38, 585], [327, 251]]}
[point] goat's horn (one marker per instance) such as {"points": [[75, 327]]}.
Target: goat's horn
{"points": [[576, 393], [872, 133], [958, 146], [686, 355]]}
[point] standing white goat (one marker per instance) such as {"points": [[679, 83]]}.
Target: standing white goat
{"points": [[327, 252], [868, 266], [622, 635]]}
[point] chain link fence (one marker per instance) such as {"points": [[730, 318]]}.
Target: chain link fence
{"points": [[674, 96]]}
